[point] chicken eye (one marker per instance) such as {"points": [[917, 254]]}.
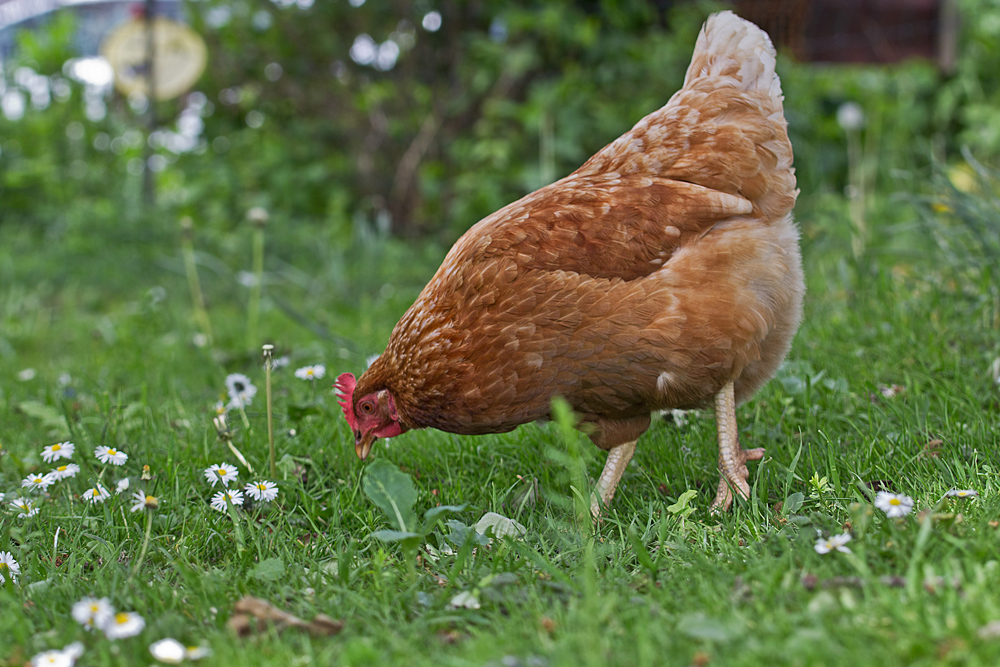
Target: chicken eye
{"points": [[367, 408]]}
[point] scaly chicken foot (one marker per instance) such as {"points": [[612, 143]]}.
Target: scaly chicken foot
{"points": [[614, 468], [732, 457]]}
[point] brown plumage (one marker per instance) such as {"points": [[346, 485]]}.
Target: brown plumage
{"points": [[663, 273]]}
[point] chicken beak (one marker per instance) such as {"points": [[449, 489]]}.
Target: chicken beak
{"points": [[363, 444]]}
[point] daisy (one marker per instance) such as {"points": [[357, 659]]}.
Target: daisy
{"points": [[65, 471], [173, 652], [143, 501], [124, 624], [93, 612], [98, 494], [241, 390], [26, 506], [197, 652], [60, 450], [8, 566], [220, 409], [169, 651], [122, 485], [262, 490], [37, 482], [111, 455], [311, 373], [894, 505], [833, 543], [219, 499], [59, 658], [221, 472], [962, 493]]}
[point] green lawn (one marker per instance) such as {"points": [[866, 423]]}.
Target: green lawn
{"points": [[888, 387]]}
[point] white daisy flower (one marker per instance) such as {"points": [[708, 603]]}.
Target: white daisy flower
{"points": [[219, 499], [60, 450], [311, 373], [122, 485], [262, 490], [172, 652], [142, 501], [67, 657], [37, 482], [124, 624], [111, 455], [26, 507], [241, 390], [169, 651], [98, 494], [8, 567], [894, 505], [65, 471], [833, 543], [93, 612], [221, 472], [197, 652], [220, 408], [962, 493]]}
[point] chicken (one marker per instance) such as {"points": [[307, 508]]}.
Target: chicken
{"points": [[663, 273]]}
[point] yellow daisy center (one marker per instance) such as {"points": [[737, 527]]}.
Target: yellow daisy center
{"points": [[62, 468], [113, 452], [121, 618], [4, 566], [94, 608], [150, 499], [894, 501], [56, 448]]}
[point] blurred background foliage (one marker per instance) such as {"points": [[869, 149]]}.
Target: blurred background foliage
{"points": [[374, 135]]}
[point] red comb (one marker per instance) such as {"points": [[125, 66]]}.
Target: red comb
{"points": [[345, 394]]}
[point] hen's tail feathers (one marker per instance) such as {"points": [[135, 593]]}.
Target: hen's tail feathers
{"points": [[724, 130]]}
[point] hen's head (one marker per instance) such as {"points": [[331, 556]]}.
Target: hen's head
{"points": [[371, 416]]}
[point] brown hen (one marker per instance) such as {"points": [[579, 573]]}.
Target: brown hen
{"points": [[663, 273]]}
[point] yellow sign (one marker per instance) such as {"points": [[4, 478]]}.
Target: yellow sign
{"points": [[179, 57]]}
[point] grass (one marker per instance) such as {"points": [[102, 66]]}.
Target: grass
{"points": [[654, 585]]}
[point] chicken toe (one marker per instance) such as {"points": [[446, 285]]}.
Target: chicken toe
{"points": [[614, 468], [732, 457]]}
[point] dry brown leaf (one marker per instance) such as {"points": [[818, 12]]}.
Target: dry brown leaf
{"points": [[252, 615]]}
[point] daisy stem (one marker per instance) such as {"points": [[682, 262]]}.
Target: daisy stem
{"points": [[258, 278], [243, 414], [187, 248], [239, 455], [231, 511], [145, 545], [270, 421]]}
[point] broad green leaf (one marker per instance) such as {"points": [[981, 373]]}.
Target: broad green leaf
{"points": [[271, 569], [500, 525], [792, 503], [392, 490], [431, 515]]}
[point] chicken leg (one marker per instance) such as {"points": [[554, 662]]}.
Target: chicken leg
{"points": [[614, 468], [732, 457]]}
